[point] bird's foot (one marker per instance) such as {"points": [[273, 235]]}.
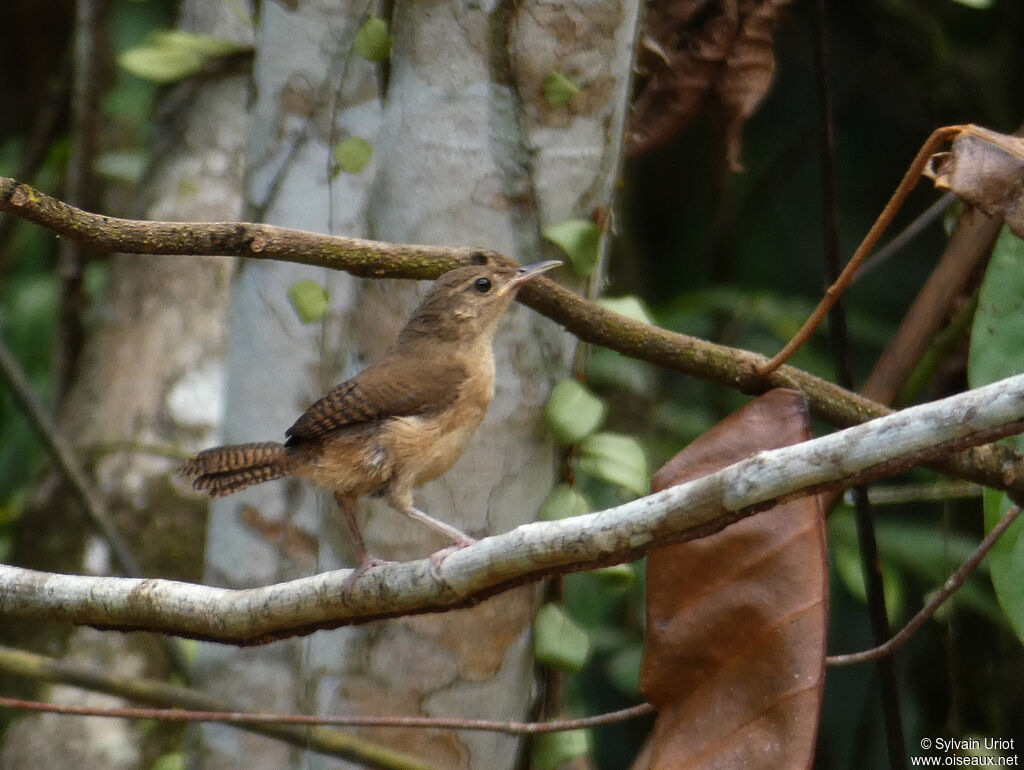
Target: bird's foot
{"points": [[464, 541], [366, 562]]}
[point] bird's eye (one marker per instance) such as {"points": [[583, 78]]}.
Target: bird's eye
{"points": [[482, 285]]}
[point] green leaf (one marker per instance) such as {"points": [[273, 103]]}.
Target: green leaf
{"points": [[174, 761], [848, 567], [996, 353], [999, 323], [353, 154], [562, 502], [580, 239], [616, 459], [623, 669], [549, 751], [373, 40], [310, 300], [558, 641], [160, 65], [629, 306], [1006, 560], [204, 45], [573, 412], [617, 577], [559, 90], [173, 55]]}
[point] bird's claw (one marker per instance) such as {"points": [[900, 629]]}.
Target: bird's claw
{"points": [[366, 563], [439, 556]]}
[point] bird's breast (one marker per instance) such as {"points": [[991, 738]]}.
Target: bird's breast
{"points": [[424, 446]]}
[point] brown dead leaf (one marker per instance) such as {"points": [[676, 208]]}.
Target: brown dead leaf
{"points": [[985, 169], [693, 49], [736, 622]]}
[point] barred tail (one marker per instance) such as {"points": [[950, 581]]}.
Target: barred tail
{"points": [[226, 469]]}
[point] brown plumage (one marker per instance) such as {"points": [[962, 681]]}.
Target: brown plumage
{"points": [[223, 470], [403, 420]]}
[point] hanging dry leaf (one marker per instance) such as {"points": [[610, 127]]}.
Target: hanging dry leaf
{"points": [[695, 48], [736, 622], [985, 169]]}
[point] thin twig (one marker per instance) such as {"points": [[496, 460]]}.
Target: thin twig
{"points": [[950, 587], [953, 274], [67, 463], [905, 236], [420, 723], [939, 137], [165, 696]]}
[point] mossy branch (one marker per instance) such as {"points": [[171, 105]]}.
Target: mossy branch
{"points": [[992, 466]]}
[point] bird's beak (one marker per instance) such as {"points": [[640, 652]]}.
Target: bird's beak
{"points": [[526, 273]]}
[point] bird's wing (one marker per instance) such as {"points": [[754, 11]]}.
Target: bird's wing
{"points": [[399, 388]]}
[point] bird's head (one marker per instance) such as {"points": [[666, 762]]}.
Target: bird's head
{"points": [[467, 302]]}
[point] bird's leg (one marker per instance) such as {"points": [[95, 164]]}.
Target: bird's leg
{"points": [[347, 509], [400, 498], [457, 536]]}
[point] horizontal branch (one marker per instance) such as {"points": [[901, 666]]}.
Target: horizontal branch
{"points": [[700, 507], [242, 719], [185, 704], [323, 740], [718, 364], [365, 258]]}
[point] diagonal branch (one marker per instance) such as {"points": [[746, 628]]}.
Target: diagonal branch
{"points": [[78, 481], [879, 448], [718, 364], [939, 137], [953, 584], [66, 461]]}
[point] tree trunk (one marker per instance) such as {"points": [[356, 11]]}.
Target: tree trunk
{"points": [[465, 152]]}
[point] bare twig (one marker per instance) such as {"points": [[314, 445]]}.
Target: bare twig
{"points": [[939, 137], [263, 718], [183, 704], [168, 696], [968, 248], [950, 587], [919, 224], [369, 259]]}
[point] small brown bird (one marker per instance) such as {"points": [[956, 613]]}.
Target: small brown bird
{"points": [[403, 420]]}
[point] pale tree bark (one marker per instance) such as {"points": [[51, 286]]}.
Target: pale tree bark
{"points": [[138, 386], [311, 91], [466, 152]]}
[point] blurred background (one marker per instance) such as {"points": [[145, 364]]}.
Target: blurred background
{"points": [[731, 257]]}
